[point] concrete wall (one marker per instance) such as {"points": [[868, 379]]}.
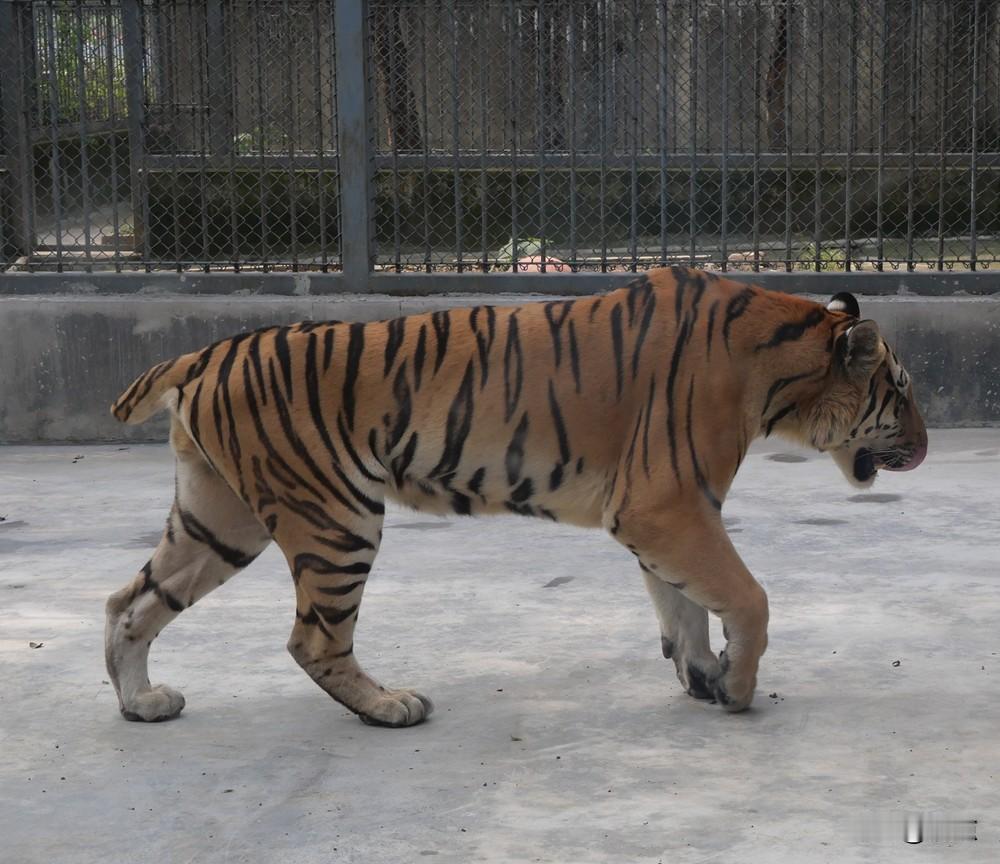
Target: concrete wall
{"points": [[63, 359]]}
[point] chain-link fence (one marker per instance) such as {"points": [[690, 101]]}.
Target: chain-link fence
{"points": [[63, 131], [241, 134], [499, 135]]}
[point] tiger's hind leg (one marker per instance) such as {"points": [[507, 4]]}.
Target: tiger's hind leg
{"points": [[683, 636], [210, 535], [330, 552]]}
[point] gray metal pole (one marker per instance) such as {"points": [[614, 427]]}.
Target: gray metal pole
{"points": [[355, 156], [220, 96], [132, 32], [15, 55]]}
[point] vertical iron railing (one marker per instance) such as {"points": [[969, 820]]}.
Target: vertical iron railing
{"points": [[17, 227], [354, 142], [135, 101]]}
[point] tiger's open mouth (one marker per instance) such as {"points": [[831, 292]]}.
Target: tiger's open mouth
{"points": [[864, 465], [867, 463], [904, 459]]}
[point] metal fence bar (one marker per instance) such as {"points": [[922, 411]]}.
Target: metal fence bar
{"points": [[353, 138], [228, 101], [724, 191], [15, 45], [109, 54], [633, 225], [54, 160], [317, 79], [573, 223], [883, 120], [693, 114], [84, 163], [914, 53], [973, 163], [852, 127], [817, 179], [825, 284], [262, 196], [787, 11], [426, 155], [756, 136], [220, 116], [945, 79], [214, 35], [558, 161], [456, 133], [394, 83], [334, 135], [540, 142], [662, 35], [512, 102], [603, 108], [135, 103], [175, 200], [483, 197], [293, 137], [64, 130]]}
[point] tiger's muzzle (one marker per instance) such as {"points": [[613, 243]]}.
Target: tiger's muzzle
{"points": [[902, 454], [903, 459]]}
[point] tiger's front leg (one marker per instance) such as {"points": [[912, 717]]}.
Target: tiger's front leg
{"points": [[683, 636], [691, 553]]}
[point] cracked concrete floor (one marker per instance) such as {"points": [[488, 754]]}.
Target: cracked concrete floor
{"points": [[560, 735]]}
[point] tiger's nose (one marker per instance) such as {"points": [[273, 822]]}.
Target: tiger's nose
{"points": [[919, 453], [915, 422], [916, 458]]}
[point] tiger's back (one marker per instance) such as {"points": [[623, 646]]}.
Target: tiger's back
{"points": [[475, 410]]}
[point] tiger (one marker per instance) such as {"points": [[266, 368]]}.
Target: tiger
{"points": [[631, 410]]}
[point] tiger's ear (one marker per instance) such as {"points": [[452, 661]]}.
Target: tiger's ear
{"points": [[860, 348], [844, 302]]}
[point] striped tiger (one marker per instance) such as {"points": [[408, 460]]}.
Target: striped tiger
{"points": [[631, 410]]}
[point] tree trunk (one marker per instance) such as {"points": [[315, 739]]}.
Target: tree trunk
{"points": [[392, 63], [777, 74]]}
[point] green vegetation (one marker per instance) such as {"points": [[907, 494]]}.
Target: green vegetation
{"points": [[830, 257], [85, 52], [526, 247], [267, 139]]}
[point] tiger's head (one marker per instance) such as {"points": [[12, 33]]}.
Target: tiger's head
{"points": [[866, 417]]}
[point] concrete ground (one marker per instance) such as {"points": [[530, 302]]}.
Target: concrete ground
{"points": [[561, 735]]}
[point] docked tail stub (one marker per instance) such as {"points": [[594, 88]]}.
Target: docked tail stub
{"points": [[153, 391]]}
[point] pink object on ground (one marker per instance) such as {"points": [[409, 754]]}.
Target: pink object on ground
{"points": [[533, 264]]}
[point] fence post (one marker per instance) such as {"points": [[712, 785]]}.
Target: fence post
{"points": [[220, 95], [354, 158], [15, 60], [135, 100]]}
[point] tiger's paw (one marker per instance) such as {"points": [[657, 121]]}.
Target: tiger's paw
{"points": [[731, 693], [397, 708], [696, 675], [154, 705]]}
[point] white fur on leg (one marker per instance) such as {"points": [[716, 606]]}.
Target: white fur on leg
{"points": [[127, 661], [159, 703], [684, 636]]}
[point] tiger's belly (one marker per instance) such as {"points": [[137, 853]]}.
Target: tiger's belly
{"points": [[578, 500]]}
